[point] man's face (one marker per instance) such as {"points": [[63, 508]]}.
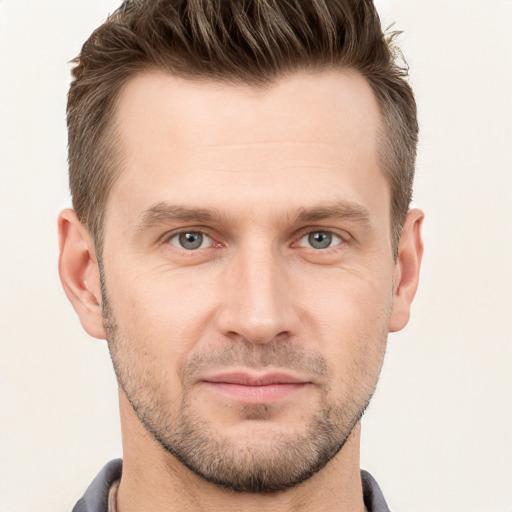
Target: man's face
{"points": [[249, 271]]}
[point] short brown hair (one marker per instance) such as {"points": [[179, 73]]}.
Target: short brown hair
{"points": [[251, 42]]}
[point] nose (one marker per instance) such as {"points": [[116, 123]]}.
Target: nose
{"points": [[256, 299]]}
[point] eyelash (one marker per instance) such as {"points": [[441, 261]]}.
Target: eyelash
{"points": [[169, 238], [333, 236], [297, 242]]}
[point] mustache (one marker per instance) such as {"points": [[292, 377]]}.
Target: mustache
{"points": [[274, 354]]}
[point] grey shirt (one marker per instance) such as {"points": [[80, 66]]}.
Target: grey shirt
{"points": [[95, 498]]}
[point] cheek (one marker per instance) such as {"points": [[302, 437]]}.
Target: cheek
{"points": [[347, 301], [169, 311], [349, 319]]}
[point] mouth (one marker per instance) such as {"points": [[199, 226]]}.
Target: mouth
{"points": [[247, 387]]}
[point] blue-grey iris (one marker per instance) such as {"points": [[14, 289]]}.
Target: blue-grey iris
{"points": [[320, 239], [191, 241]]}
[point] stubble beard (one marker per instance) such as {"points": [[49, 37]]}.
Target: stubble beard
{"points": [[275, 463]]}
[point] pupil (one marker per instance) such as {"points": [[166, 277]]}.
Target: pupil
{"points": [[320, 240], [191, 240]]}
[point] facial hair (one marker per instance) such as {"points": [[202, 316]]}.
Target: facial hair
{"points": [[260, 465]]}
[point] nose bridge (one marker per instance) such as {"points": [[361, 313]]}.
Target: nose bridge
{"points": [[256, 305]]}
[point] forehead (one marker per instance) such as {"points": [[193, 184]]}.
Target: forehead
{"points": [[323, 106], [203, 140]]}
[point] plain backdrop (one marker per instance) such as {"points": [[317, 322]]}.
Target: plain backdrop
{"points": [[438, 435]]}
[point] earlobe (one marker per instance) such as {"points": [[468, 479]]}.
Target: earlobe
{"points": [[407, 270], [79, 273]]}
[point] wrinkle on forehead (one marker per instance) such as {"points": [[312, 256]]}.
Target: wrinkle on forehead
{"points": [[263, 144]]}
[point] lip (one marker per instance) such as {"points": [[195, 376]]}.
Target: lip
{"points": [[250, 387]]}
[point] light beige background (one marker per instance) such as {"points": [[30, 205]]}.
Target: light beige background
{"points": [[438, 436]]}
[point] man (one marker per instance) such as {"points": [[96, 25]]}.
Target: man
{"points": [[241, 174]]}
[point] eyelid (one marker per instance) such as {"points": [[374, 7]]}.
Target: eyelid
{"points": [[333, 234], [303, 232], [206, 240], [339, 233], [168, 236]]}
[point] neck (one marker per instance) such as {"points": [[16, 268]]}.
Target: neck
{"points": [[153, 479]]}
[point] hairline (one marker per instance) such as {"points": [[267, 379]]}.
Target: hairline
{"points": [[111, 141]]}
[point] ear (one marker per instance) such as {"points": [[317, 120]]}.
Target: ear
{"points": [[79, 272], [407, 270]]}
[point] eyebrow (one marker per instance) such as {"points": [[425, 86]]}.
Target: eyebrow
{"points": [[339, 210], [164, 213]]}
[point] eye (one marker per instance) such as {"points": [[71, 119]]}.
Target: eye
{"points": [[190, 240], [320, 240]]}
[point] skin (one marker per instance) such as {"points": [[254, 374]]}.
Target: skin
{"points": [[256, 171]]}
